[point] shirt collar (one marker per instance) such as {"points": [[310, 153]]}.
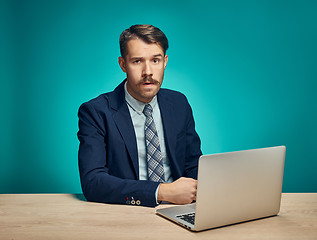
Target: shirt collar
{"points": [[135, 104]]}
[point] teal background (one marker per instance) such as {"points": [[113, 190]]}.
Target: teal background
{"points": [[248, 68]]}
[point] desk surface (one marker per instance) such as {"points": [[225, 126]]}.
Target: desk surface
{"points": [[67, 216]]}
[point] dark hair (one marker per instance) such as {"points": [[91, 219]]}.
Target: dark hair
{"points": [[147, 33]]}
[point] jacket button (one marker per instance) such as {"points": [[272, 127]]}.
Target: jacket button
{"points": [[138, 202]]}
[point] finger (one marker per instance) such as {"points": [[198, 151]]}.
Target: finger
{"points": [[195, 195], [193, 199]]}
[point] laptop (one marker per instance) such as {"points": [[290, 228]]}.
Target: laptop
{"points": [[233, 187]]}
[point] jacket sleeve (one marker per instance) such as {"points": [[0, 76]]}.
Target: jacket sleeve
{"points": [[193, 144], [97, 184]]}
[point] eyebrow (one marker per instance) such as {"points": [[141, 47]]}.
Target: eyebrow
{"points": [[158, 55], [154, 56]]}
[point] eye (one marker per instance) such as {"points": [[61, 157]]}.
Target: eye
{"points": [[155, 60], [137, 61]]}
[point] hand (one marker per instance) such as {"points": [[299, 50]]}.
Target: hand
{"points": [[181, 191]]}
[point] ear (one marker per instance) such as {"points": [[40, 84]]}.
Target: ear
{"points": [[165, 60], [122, 64]]}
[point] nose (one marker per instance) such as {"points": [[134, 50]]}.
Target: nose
{"points": [[147, 70]]}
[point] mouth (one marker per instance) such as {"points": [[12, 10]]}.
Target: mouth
{"points": [[148, 83]]}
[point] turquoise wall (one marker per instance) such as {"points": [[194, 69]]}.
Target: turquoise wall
{"points": [[248, 68]]}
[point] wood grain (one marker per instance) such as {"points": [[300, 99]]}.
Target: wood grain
{"points": [[68, 216]]}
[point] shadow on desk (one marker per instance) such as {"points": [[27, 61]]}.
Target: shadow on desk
{"points": [[79, 196]]}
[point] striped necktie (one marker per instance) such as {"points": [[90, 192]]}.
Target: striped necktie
{"points": [[153, 150]]}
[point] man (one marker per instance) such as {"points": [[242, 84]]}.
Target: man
{"points": [[138, 144]]}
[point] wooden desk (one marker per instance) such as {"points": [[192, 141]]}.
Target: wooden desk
{"points": [[67, 216]]}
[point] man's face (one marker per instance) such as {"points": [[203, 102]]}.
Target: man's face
{"points": [[144, 65]]}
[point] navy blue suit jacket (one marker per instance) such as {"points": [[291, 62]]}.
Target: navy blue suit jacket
{"points": [[108, 157]]}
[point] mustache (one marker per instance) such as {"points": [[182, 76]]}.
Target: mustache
{"points": [[149, 79]]}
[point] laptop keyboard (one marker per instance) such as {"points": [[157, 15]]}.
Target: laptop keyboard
{"points": [[189, 217]]}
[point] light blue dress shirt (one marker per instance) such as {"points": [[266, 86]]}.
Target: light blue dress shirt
{"points": [[138, 118]]}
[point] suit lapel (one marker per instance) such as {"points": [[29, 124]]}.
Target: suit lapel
{"points": [[169, 123], [123, 121]]}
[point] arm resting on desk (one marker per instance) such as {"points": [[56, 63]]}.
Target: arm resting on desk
{"points": [[108, 176]]}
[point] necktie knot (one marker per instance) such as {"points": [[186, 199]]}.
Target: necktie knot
{"points": [[147, 110]]}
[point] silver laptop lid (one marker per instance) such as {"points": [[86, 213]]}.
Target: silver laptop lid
{"points": [[239, 186]]}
